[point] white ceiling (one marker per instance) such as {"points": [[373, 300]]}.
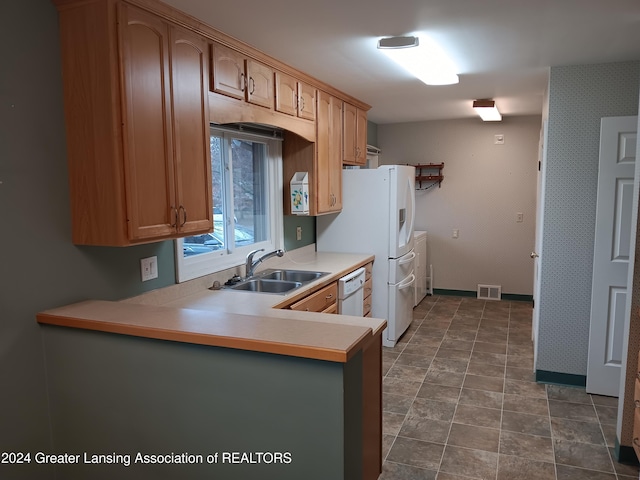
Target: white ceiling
{"points": [[503, 48]]}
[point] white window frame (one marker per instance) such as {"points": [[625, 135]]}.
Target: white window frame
{"points": [[188, 268]]}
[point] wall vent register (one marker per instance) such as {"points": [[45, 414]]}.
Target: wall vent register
{"points": [[490, 292]]}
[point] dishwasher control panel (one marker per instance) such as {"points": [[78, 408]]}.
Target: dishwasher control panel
{"points": [[351, 283]]}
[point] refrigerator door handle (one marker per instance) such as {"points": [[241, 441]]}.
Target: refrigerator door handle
{"points": [[409, 258], [408, 283], [412, 202]]}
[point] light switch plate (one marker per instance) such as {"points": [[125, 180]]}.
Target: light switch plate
{"points": [[149, 268]]}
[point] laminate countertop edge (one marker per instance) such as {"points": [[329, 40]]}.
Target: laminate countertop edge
{"points": [[329, 341]]}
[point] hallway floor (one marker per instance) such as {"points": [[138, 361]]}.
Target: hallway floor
{"points": [[460, 402]]}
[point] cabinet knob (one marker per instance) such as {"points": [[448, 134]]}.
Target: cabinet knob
{"points": [[174, 213], [184, 215], [637, 403], [636, 442], [329, 297], [243, 82]]}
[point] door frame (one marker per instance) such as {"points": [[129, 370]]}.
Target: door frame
{"points": [[537, 252]]}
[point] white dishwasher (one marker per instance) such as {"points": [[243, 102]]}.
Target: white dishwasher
{"points": [[351, 294]]}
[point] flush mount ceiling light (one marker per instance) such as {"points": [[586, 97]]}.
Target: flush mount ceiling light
{"points": [[487, 110], [421, 57]]}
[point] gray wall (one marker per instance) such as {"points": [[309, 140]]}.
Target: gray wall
{"points": [[158, 397], [484, 186], [578, 97], [372, 134], [39, 267]]}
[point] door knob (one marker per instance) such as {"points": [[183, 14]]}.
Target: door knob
{"points": [[534, 255]]}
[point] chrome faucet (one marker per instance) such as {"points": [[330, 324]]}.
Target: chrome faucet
{"points": [[251, 265]]}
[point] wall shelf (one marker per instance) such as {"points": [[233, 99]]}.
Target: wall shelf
{"points": [[429, 173]]}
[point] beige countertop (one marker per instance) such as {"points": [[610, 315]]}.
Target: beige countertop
{"points": [[236, 319]]}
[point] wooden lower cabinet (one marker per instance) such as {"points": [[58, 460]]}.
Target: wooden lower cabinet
{"points": [[368, 290], [319, 301], [636, 415]]}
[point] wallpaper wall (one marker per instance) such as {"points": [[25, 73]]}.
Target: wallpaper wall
{"points": [[578, 97]]}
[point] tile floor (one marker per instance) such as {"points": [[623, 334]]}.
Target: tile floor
{"points": [[460, 402]]}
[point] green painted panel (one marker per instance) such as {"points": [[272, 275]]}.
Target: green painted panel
{"points": [[119, 394]]}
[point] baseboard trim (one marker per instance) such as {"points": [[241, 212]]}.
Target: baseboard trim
{"points": [[514, 297], [557, 378], [625, 454], [455, 293], [517, 297]]}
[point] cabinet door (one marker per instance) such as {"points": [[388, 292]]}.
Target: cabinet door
{"points": [[335, 154], [306, 101], [361, 137], [286, 93], [189, 77], [328, 168], [318, 301], [259, 84], [349, 133], [355, 135], [228, 71], [148, 161]]}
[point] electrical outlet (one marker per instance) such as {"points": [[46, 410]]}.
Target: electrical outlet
{"points": [[519, 217], [456, 233], [149, 268], [298, 233]]}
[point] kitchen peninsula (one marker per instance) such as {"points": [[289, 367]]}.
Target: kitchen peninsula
{"points": [[287, 394]]}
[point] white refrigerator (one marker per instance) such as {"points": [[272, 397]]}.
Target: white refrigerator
{"points": [[377, 217]]}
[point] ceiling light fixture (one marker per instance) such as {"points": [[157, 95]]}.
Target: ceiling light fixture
{"points": [[421, 57], [487, 110]]}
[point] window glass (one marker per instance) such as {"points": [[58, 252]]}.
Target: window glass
{"points": [[247, 203]]}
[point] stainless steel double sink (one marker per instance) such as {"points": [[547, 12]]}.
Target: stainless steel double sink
{"points": [[278, 281]]}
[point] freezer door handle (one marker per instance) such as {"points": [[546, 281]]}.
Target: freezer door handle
{"points": [[408, 283], [409, 259]]}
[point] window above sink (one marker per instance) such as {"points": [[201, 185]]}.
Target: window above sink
{"points": [[247, 212]]}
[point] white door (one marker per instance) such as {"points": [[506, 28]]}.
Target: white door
{"points": [[611, 253]]}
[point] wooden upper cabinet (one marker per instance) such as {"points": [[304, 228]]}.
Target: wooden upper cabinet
{"points": [[307, 108], [241, 77], [167, 137], [227, 71], [322, 159], [259, 84], [146, 98], [328, 166], [189, 81], [354, 135], [294, 97], [136, 114]]}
